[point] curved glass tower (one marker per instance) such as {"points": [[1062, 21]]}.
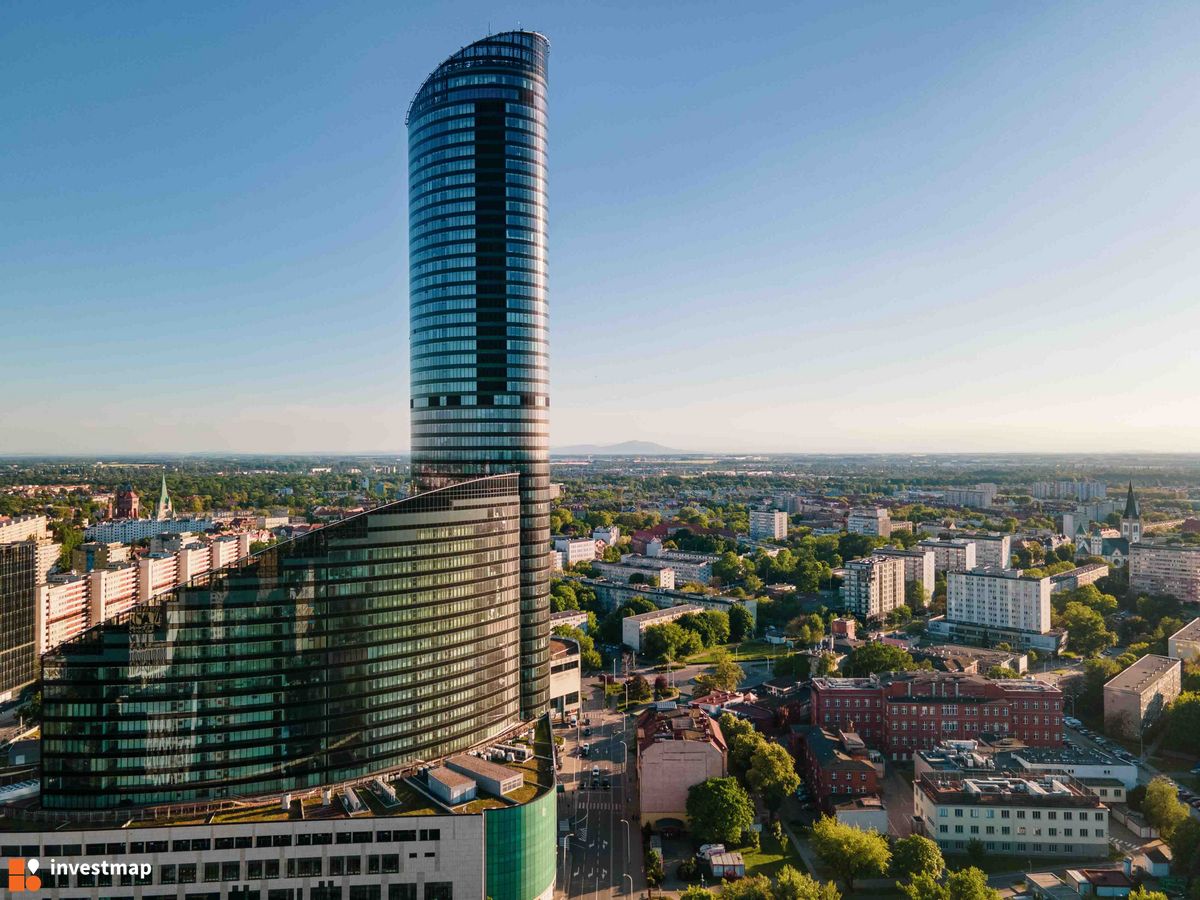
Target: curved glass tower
{"points": [[377, 642], [477, 240]]}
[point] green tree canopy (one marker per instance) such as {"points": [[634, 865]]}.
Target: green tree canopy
{"points": [[878, 657], [1086, 629], [719, 810], [914, 855], [1183, 722], [741, 623], [792, 884], [723, 675], [1162, 808], [772, 774], [849, 852]]}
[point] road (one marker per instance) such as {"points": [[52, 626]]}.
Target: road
{"points": [[605, 846]]}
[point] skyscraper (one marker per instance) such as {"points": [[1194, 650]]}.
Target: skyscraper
{"points": [[477, 238], [18, 610]]}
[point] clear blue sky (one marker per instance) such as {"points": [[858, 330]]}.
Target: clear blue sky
{"points": [[809, 227]]}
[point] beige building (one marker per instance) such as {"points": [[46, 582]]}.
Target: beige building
{"points": [[999, 598], [676, 749], [1138, 696], [565, 678], [1160, 568], [768, 524], [874, 520], [873, 587], [1185, 643], [23, 528], [1048, 815], [633, 627], [919, 568], [951, 555]]}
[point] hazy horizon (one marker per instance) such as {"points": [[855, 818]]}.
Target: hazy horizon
{"points": [[780, 229]]}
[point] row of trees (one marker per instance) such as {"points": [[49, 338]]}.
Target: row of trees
{"points": [[789, 884]]}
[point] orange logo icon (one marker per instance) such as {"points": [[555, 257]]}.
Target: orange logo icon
{"points": [[22, 877]]}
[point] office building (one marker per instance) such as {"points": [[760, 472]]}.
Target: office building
{"points": [[768, 524], [920, 569], [478, 318], [1051, 815], [899, 713], [1185, 643], [676, 750], [18, 603], [1136, 698], [998, 599], [874, 520], [1158, 567], [951, 555], [979, 497], [873, 587], [1081, 763], [427, 588]]}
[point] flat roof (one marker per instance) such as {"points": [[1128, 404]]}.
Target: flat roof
{"points": [[1143, 673], [484, 768], [1189, 632], [681, 609], [450, 778], [1079, 756]]}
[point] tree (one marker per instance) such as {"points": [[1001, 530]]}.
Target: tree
{"points": [[969, 884], [695, 892], [662, 687], [976, 851], [924, 886], [1184, 842], [792, 884], [878, 657], [1086, 629], [719, 810], [756, 887], [723, 675], [1162, 808], [639, 689], [1140, 893], [824, 665], [915, 855], [1183, 723], [589, 656], [741, 753], [849, 852], [772, 774], [1002, 672], [741, 623], [654, 868]]}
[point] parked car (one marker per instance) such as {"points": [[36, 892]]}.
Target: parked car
{"points": [[595, 771]]}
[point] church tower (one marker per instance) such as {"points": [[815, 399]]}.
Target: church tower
{"points": [[165, 510], [1131, 519]]}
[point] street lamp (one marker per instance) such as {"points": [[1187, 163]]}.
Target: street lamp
{"points": [[625, 822], [566, 838], [630, 877]]}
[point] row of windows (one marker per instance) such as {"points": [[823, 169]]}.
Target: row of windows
{"points": [[416, 218]]}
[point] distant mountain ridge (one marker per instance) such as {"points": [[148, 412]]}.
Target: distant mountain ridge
{"points": [[626, 448]]}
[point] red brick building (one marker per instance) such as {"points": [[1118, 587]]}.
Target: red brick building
{"points": [[835, 765], [901, 712]]}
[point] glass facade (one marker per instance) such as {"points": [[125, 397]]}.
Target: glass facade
{"points": [[520, 849], [18, 604], [477, 233], [378, 641]]}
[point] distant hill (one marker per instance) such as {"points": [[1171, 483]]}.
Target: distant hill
{"points": [[627, 448]]}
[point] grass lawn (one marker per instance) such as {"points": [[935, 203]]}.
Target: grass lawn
{"points": [[744, 651], [770, 857]]}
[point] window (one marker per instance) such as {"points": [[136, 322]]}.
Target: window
{"points": [[439, 890]]}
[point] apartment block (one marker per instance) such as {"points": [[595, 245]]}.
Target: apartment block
{"points": [[998, 598], [23, 528], [1051, 815], [575, 550], [633, 627], [1136, 698], [770, 525], [874, 520], [676, 750], [1156, 567], [979, 497], [919, 567], [952, 554], [873, 587], [1185, 643], [990, 549], [660, 575]]}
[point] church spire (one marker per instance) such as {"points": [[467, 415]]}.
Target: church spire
{"points": [[165, 510], [1131, 505]]}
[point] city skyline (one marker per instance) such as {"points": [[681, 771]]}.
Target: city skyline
{"points": [[852, 230]]}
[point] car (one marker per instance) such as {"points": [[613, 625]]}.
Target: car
{"points": [[587, 720], [607, 784], [585, 749], [587, 732], [595, 771]]}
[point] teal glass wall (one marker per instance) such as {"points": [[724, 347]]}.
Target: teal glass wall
{"points": [[386, 638], [520, 849], [478, 302]]}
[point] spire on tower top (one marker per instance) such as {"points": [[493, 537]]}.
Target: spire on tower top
{"points": [[164, 510], [1132, 511]]}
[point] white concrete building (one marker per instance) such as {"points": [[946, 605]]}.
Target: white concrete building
{"points": [[1156, 567], [998, 598], [1051, 815], [611, 534], [952, 555], [874, 520], [575, 550], [873, 587], [990, 549], [919, 567], [979, 497], [1185, 643], [768, 524]]}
